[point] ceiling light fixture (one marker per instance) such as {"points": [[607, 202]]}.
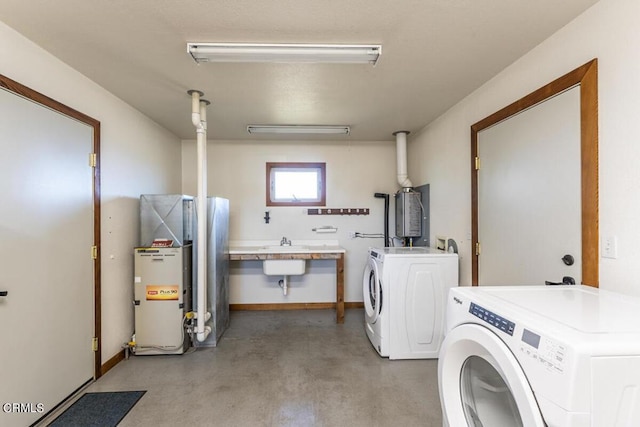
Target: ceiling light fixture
{"points": [[299, 129], [259, 52]]}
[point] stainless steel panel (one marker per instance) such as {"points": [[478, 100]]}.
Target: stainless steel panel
{"points": [[408, 214], [167, 216], [217, 269], [423, 240]]}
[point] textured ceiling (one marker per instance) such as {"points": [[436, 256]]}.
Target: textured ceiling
{"points": [[434, 53]]}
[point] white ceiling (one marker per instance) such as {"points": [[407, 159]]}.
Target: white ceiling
{"points": [[434, 52]]}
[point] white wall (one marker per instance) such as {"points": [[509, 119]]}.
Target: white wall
{"points": [[355, 171], [137, 156], [440, 153]]}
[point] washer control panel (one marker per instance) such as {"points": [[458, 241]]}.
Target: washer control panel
{"points": [[549, 353], [492, 318], [542, 350]]}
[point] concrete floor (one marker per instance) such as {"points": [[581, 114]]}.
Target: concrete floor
{"points": [[281, 368]]}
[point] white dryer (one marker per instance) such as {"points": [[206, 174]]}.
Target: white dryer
{"points": [[556, 356], [405, 290]]}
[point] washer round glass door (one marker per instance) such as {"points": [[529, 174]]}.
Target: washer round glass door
{"points": [[372, 291], [481, 382], [486, 398]]}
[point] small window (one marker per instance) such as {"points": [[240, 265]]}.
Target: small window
{"points": [[296, 184]]}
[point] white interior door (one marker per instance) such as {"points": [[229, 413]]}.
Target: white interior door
{"points": [[46, 234], [529, 207]]}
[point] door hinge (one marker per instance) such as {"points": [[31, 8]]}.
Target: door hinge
{"points": [[477, 248], [94, 252], [477, 163], [94, 344], [93, 160]]}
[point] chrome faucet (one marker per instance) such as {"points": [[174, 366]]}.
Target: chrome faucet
{"points": [[285, 242]]}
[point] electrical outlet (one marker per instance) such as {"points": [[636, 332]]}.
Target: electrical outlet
{"points": [[351, 234], [610, 247]]}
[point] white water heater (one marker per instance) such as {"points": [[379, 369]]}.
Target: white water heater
{"points": [[408, 214]]}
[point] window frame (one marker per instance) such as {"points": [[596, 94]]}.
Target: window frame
{"points": [[273, 166]]}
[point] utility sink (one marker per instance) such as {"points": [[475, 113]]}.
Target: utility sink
{"points": [[283, 267]]}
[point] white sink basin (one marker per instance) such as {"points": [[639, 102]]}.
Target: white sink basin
{"points": [[290, 248], [283, 267]]}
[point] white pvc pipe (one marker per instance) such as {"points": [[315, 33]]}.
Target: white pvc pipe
{"points": [[284, 284], [195, 108], [401, 157], [198, 117]]}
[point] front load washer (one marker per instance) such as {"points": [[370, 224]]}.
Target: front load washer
{"points": [[405, 289], [555, 356]]}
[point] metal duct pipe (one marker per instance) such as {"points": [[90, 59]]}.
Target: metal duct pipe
{"points": [[199, 119], [401, 157]]}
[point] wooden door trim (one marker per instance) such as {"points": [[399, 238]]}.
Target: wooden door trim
{"points": [[586, 76], [37, 97]]}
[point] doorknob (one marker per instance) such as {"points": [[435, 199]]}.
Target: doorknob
{"points": [[4, 293], [568, 259], [566, 280]]}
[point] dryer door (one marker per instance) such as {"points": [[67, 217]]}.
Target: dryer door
{"points": [[481, 382], [372, 291]]}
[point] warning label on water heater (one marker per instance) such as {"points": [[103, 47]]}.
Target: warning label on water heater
{"points": [[162, 292]]}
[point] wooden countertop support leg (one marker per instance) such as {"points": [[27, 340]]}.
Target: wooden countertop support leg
{"points": [[340, 289]]}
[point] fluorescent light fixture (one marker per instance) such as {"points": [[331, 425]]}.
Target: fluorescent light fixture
{"points": [[252, 52], [299, 129]]}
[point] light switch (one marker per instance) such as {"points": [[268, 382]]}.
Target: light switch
{"points": [[610, 247]]}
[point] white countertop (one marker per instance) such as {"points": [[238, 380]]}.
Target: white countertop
{"points": [[241, 247]]}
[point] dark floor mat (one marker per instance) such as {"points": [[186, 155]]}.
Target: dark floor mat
{"points": [[98, 409]]}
